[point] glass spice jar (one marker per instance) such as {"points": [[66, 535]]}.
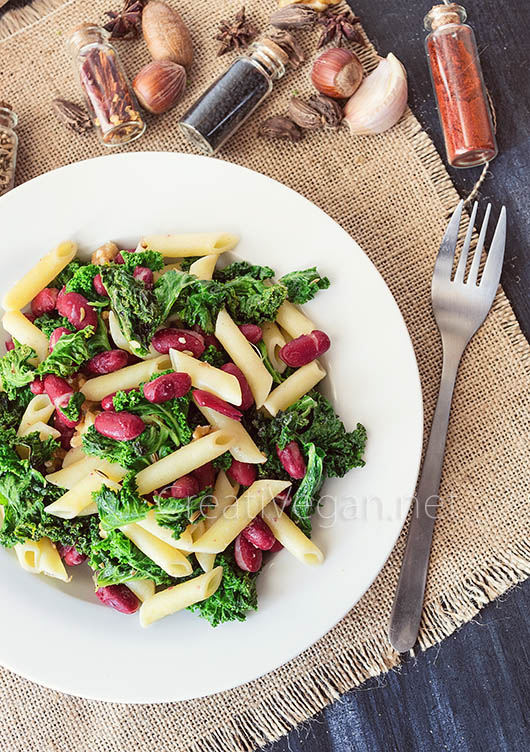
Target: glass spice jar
{"points": [[108, 94], [8, 147], [459, 87], [229, 101]]}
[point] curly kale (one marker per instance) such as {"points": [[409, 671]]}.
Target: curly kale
{"points": [[82, 282], [306, 496], [66, 274], [222, 462], [116, 559], [15, 370], [12, 410], [241, 269], [171, 415], [177, 514], [120, 507], [194, 301], [303, 285], [135, 454], [68, 354], [150, 259], [214, 356], [235, 596], [251, 301], [48, 322], [99, 342]]}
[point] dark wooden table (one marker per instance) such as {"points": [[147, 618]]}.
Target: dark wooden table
{"points": [[471, 693]]}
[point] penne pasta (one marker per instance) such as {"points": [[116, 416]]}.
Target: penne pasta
{"points": [[143, 589], [204, 267], [41, 557], [225, 494], [126, 378], [77, 499], [74, 472], [21, 329], [190, 244], [183, 461], [291, 537], [149, 523], [73, 455], [243, 448], [180, 596], [238, 515], [205, 376], [274, 341], [39, 409], [168, 558], [43, 429], [39, 276], [291, 318], [294, 387], [244, 356]]}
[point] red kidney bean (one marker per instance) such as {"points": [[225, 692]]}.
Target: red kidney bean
{"points": [[252, 332], [44, 301], [107, 403], [61, 419], [77, 310], [118, 258], [206, 399], [10, 345], [99, 287], [56, 335], [283, 499], [248, 557], [277, 547], [58, 390], [178, 339], [302, 350], [107, 361], [209, 339], [119, 597], [70, 555], [37, 386], [122, 426], [30, 317], [247, 398], [292, 460], [259, 534], [185, 486], [242, 472], [205, 474], [66, 431], [145, 274], [166, 387]]}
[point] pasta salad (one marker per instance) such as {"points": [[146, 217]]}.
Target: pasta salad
{"points": [[160, 421]]}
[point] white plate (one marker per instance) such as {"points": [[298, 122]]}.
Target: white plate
{"points": [[59, 635]]}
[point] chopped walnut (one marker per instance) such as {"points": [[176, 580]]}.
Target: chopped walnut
{"points": [[77, 381], [105, 315], [105, 253], [200, 431]]}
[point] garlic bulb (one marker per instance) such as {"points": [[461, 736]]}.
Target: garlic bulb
{"points": [[380, 100]]}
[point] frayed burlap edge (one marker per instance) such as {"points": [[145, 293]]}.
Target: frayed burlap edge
{"points": [[19, 19]]}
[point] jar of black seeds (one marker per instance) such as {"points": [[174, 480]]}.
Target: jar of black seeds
{"points": [[8, 147], [229, 101]]}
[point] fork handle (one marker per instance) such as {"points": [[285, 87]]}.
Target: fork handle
{"points": [[408, 601]]}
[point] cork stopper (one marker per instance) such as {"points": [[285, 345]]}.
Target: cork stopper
{"points": [[444, 15], [271, 56]]}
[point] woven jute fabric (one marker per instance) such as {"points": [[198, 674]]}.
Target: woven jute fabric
{"points": [[392, 193]]}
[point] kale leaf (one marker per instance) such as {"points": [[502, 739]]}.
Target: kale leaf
{"points": [[68, 355], [251, 301], [116, 559], [15, 370], [168, 289], [12, 410], [48, 322], [171, 415], [303, 285], [135, 454], [99, 342], [194, 301], [177, 514], [66, 274], [306, 495], [120, 507], [72, 410], [82, 281], [151, 259], [214, 356], [243, 268]]}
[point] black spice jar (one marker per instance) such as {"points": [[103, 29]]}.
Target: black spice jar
{"points": [[228, 102]]}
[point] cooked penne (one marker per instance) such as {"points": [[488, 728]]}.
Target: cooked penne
{"points": [[143, 589], [205, 376], [21, 329], [274, 341], [225, 494], [73, 502], [73, 455], [190, 244], [168, 558], [243, 449], [43, 429], [73, 473], [291, 537], [238, 515], [39, 409], [181, 596], [204, 267], [294, 387], [183, 461], [39, 276], [244, 356], [41, 557], [149, 523], [126, 378], [290, 318]]}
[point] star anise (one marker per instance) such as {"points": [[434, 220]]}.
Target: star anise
{"points": [[338, 26], [125, 24], [236, 34]]}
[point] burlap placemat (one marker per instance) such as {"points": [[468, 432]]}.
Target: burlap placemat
{"points": [[392, 193]]}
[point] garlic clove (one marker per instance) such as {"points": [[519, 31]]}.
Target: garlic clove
{"points": [[337, 73], [380, 101], [159, 85]]}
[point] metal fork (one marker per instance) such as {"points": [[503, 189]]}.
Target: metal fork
{"points": [[460, 307]]}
